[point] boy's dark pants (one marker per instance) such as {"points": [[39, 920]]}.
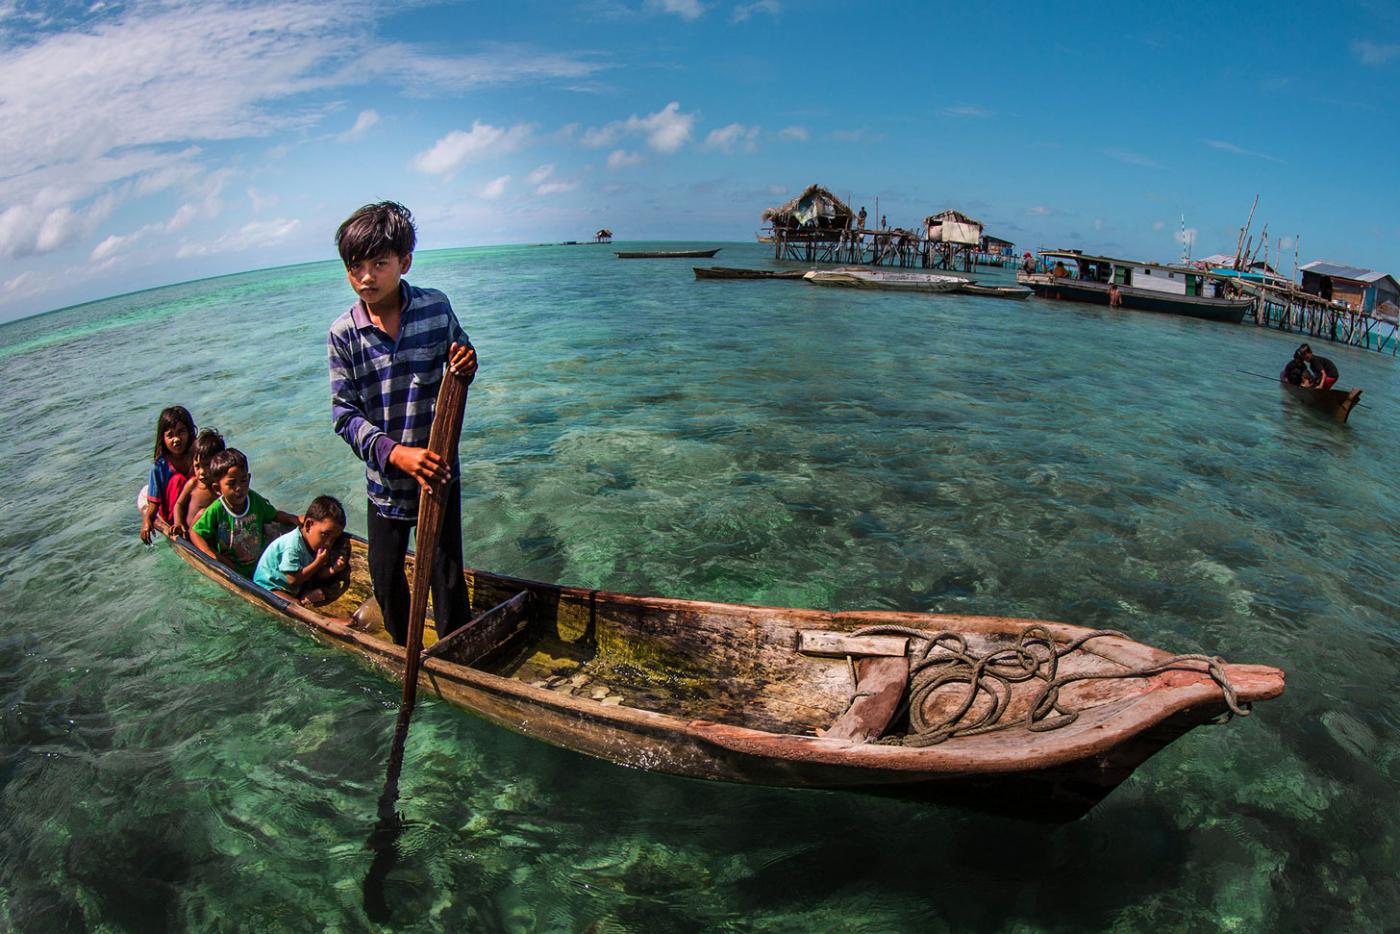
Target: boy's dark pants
{"points": [[388, 545]]}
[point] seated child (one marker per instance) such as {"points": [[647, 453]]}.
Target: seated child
{"points": [[172, 464], [199, 490], [311, 561], [231, 529]]}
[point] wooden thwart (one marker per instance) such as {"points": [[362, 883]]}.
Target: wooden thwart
{"points": [[880, 687], [825, 642], [481, 636]]}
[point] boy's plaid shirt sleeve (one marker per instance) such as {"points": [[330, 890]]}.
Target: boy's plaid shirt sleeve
{"points": [[384, 392]]}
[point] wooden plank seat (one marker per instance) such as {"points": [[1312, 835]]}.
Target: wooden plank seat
{"points": [[882, 676], [483, 635]]}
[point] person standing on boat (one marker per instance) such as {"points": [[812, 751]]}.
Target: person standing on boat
{"points": [[1324, 371], [387, 354]]}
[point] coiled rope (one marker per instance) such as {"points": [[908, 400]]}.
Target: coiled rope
{"points": [[1035, 655]]}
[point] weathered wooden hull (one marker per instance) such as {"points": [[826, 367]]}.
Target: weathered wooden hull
{"points": [[730, 272], [884, 280], [1332, 403], [1231, 310], [1016, 293], [669, 254], [717, 691]]}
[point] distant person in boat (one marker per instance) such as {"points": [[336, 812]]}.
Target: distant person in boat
{"points": [[232, 530], [199, 490], [1060, 272], [172, 464], [1324, 371], [1028, 264], [387, 354], [1295, 373], [312, 561]]}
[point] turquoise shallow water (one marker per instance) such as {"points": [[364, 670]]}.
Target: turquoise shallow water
{"points": [[170, 758]]}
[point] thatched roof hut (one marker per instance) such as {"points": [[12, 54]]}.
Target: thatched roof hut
{"points": [[953, 227], [815, 207]]}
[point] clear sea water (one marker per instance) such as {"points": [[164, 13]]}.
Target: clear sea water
{"points": [[170, 758]]}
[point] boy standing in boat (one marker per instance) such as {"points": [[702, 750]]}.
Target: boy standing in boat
{"points": [[387, 354]]}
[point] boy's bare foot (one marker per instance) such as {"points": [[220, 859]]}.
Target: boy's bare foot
{"points": [[313, 597]]}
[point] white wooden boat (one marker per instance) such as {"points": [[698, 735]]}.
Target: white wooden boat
{"points": [[895, 280]]}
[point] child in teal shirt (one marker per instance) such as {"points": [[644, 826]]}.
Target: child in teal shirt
{"points": [[231, 530], [310, 562]]}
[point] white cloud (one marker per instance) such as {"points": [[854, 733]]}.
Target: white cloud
{"points": [[847, 136], [540, 174], [967, 110], [554, 188], [1285, 243], [363, 122], [798, 133], [459, 147], [1039, 210], [743, 11], [260, 201], [732, 137], [1375, 53], [1132, 158], [18, 282], [685, 9], [495, 188], [1159, 225], [1186, 238], [251, 235], [1224, 146], [667, 130], [621, 158]]}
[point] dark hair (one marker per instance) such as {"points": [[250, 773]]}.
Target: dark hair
{"points": [[374, 230], [169, 418], [225, 461], [326, 507], [1302, 351], [208, 443]]}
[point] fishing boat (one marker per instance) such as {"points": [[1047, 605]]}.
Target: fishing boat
{"points": [[1333, 403], [885, 279], [1007, 715], [1014, 292], [733, 272], [1195, 293], [670, 254]]}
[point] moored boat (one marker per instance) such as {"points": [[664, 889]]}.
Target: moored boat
{"points": [[1333, 403], [1194, 293], [1051, 720], [1015, 292], [733, 272], [885, 279], [669, 254]]}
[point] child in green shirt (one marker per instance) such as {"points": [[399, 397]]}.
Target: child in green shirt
{"points": [[231, 530]]}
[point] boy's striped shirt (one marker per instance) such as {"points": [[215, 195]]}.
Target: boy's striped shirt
{"points": [[383, 391]]}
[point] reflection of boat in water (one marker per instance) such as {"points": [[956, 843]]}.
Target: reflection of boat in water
{"points": [[1142, 286], [670, 254], [1333, 403], [994, 291], [885, 279], [1056, 717], [731, 272]]}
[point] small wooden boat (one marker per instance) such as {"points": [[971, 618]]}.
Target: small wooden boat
{"points": [[1333, 403], [732, 272], [885, 279], [765, 695], [995, 291], [670, 254]]}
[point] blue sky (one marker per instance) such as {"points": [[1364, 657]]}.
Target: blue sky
{"points": [[149, 143]]}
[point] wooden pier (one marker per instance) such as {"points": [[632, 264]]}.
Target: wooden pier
{"points": [[1300, 312], [866, 247]]}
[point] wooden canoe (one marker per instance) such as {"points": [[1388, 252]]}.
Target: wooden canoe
{"points": [[733, 272], [670, 254], [1016, 292], [763, 695], [1333, 403], [885, 279]]}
